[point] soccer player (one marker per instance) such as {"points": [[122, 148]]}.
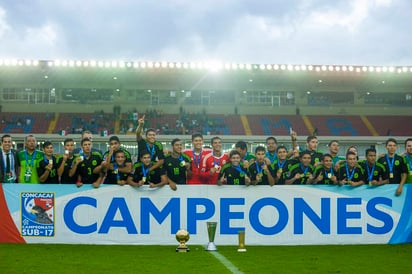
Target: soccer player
{"points": [[333, 147], [312, 147], [353, 149], [87, 166], [115, 173], [108, 157], [408, 159], [350, 173], [282, 165], [197, 154], [395, 165], [8, 161], [271, 146], [245, 156], [86, 134], [150, 144], [301, 173], [375, 173], [324, 174], [144, 175], [47, 168], [65, 161], [178, 165], [28, 160], [260, 172], [213, 162], [234, 173]]}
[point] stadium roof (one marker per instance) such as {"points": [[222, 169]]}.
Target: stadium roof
{"points": [[198, 76]]}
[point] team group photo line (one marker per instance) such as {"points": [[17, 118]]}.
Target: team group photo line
{"points": [[156, 166]]}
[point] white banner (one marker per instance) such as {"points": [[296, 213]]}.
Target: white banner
{"points": [[279, 215]]}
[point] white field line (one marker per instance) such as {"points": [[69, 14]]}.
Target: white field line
{"points": [[228, 264]]}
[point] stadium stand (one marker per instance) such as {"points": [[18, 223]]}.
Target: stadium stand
{"points": [[346, 125], [276, 124], [392, 125], [213, 124]]}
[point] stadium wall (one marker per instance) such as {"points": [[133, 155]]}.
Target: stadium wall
{"points": [[279, 215]]}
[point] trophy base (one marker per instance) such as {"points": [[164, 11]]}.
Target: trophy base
{"points": [[182, 249], [211, 246], [241, 250]]}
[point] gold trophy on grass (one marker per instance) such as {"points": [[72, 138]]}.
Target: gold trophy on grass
{"points": [[182, 236], [211, 231], [242, 247]]}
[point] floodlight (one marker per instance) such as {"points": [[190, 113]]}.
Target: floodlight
{"points": [[192, 65]]}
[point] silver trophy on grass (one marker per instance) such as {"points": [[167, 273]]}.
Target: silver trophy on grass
{"points": [[211, 231]]}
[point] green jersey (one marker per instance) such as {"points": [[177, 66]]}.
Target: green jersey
{"points": [[28, 166]]}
